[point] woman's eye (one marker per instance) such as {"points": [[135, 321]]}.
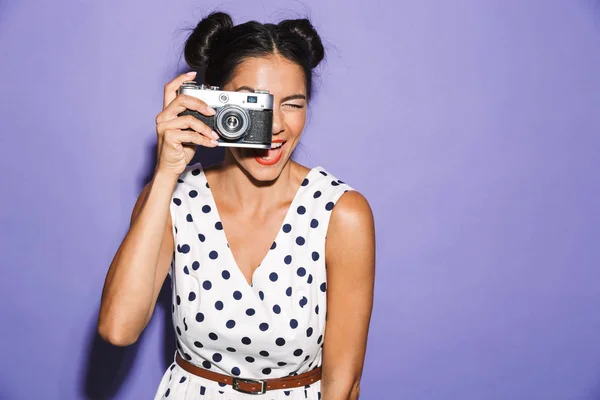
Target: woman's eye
{"points": [[295, 105]]}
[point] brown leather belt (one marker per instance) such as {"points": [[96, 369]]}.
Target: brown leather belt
{"points": [[252, 386]]}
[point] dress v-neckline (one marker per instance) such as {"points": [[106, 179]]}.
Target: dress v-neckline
{"points": [[277, 236]]}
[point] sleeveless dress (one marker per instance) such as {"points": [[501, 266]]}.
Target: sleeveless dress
{"points": [[271, 328]]}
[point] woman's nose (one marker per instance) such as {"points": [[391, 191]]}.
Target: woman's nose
{"points": [[277, 122]]}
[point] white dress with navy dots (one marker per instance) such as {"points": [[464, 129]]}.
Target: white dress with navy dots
{"points": [[270, 329]]}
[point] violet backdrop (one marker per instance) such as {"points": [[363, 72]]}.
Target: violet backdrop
{"points": [[473, 127]]}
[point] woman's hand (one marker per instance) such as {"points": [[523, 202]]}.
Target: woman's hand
{"points": [[177, 146]]}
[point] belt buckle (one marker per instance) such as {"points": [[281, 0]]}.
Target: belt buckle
{"points": [[236, 385]]}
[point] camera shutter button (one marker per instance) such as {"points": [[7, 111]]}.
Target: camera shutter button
{"points": [[223, 98]]}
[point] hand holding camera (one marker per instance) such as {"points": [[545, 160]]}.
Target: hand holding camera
{"points": [[178, 135]]}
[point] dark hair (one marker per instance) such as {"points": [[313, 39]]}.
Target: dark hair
{"points": [[218, 47]]}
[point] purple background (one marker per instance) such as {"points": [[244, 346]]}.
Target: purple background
{"points": [[473, 127]]}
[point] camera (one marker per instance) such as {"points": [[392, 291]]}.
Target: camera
{"points": [[242, 119]]}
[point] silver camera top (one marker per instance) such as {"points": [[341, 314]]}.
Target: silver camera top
{"points": [[215, 97]]}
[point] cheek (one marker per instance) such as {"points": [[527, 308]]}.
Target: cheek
{"points": [[295, 123]]}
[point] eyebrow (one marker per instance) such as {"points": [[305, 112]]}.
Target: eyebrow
{"points": [[287, 98]]}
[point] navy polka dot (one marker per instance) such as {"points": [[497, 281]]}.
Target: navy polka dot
{"points": [[219, 305], [320, 339], [246, 340], [183, 248], [192, 296], [195, 265], [266, 371], [178, 300], [261, 295], [250, 312], [305, 182], [293, 324], [201, 237], [213, 255], [235, 371], [230, 324], [264, 353], [250, 359], [202, 390], [176, 201], [315, 256], [323, 287], [264, 326], [323, 173], [231, 349], [225, 274], [301, 271], [303, 301], [310, 279], [280, 342], [317, 309], [287, 259], [196, 171], [317, 194], [288, 291], [276, 309], [334, 183], [237, 295], [314, 223], [189, 218], [298, 352], [213, 336], [167, 392], [301, 210], [287, 228], [207, 285], [309, 332], [178, 330], [300, 241], [219, 226], [206, 209], [206, 364], [273, 277], [329, 206], [273, 246], [193, 193], [281, 363], [198, 344], [217, 357], [199, 317]]}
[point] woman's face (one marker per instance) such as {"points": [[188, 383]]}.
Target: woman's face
{"points": [[285, 81]]}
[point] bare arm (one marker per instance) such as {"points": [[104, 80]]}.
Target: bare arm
{"points": [[142, 262], [350, 257], [139, 267]]}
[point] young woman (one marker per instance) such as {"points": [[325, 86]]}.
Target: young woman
{"points": [[272, 263]]}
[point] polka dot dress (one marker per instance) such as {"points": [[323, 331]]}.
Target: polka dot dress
{"points": [[271, 328]]}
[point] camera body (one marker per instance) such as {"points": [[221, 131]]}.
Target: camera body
{"points": [[242, 119]]}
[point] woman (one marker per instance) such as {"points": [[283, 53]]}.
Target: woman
{"points": [[245, 242]]}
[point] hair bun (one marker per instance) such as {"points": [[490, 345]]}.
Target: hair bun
{"points": [[201, 44], [304, 29]]}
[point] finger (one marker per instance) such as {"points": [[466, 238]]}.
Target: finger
{"points": [[175, 137], [188, 122], [171, 88], [184, 102]]}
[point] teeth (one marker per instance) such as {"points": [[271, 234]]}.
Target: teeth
{"points": [[276, 145]]}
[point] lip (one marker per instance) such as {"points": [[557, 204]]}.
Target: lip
{"points": [[276, 159]]}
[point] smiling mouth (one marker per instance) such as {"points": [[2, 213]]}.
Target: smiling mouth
{"points": [[273, 155]]}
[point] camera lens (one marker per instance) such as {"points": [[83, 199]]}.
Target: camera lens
{"points": [[232, 122]]}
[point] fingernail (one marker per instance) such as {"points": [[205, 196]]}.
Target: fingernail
{"points": [[191, 73], [214, 142], [214, 134], [211, 110]]}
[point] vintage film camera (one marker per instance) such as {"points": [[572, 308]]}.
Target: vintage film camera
{"points": [[242, 119]]}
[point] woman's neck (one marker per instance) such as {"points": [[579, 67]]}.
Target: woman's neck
{"points": [[244, 192]]}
